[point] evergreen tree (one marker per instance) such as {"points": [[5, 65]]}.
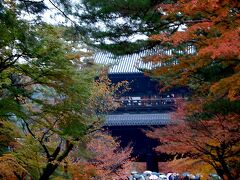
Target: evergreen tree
{"points": [[113, 25]]}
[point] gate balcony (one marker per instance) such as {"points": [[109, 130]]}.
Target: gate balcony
{"points": [[146, 104]]}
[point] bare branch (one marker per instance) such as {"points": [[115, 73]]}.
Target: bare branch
{"points": [[5, 64], [63, 13]]}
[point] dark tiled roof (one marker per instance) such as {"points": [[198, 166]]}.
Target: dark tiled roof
{"points": [[138, 119], [122, 64], [132, 63]]}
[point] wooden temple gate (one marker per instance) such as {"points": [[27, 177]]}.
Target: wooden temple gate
{"points": [[141, 108]]}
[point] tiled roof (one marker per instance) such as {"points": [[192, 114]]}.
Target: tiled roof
{"points": [[137, 119], [121, 64], [132, 63]]}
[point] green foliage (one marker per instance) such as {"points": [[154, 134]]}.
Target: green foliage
{"points": [[45, 89], [8, 133], [214, 72], [33, 7], [222, 106], [113, 23], [29, 155]]}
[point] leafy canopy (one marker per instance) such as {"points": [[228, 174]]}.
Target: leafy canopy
{"points": [[45, 90], [114, 25]]}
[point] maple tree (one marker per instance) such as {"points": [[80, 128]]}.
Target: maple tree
{"points": [[7, 134], [105, 93], [193, 166], [47, 97], [107, 159], [209, 122], [213, 139], [8, 163], [213, 29]]}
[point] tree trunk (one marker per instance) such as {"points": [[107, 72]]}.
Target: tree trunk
{"points": [[48, 171], [225, 168], [52, 166]]}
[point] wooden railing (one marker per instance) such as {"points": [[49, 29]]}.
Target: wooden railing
{"points": [[159, 103]]}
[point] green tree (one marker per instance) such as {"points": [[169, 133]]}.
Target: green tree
{"points": [[45, 89], [7, 134], [111, 25]]}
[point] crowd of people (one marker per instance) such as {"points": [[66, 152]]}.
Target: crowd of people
{"points": [[147, 100], [149, 175]]}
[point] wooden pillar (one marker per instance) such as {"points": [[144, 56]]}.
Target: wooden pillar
{"points": [[152, 162]]}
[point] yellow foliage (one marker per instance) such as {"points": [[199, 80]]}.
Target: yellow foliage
{"points": [[193, 166], [10, 169], [229, 85]]}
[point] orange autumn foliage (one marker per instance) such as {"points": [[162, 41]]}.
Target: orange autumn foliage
{"points": [[213, 27], [10, 168], [108, 161], [212, 74], [214, 140], [193, 166]]}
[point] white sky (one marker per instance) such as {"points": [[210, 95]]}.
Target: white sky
{"points": [[51, 18]]}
